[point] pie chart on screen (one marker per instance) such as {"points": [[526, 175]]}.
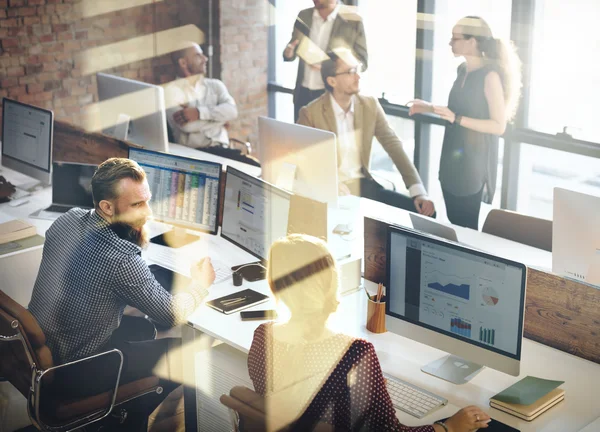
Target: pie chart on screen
{"points": [[490, 296]]}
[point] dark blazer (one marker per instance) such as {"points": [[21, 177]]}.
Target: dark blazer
{"points": [[347, 32]]}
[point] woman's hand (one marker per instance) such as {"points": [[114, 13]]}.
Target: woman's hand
{"points": [[419, 106], [468, 419], [445, 113]]}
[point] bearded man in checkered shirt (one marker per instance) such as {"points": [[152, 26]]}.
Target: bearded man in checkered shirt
{"points": [[92, 269]]}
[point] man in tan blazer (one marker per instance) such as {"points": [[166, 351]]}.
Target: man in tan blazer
{"points": [[356, 119]]}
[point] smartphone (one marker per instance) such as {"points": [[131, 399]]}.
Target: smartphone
{"points": [[258, 315]]}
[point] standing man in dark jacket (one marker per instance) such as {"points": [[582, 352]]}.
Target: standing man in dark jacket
{"points": [[326, 27]]}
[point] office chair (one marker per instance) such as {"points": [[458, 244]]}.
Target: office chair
{"points": [[520, 228], [247, 409], [26, 362]]}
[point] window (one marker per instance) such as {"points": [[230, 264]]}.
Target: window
{"points": [[285, 16], [391, 29], [542, 169], [565, 61]]}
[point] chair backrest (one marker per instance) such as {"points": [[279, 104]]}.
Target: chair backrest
{"points": [[250, 407], [521, 228], [22, 344]]}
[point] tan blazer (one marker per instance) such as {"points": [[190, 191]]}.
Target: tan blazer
{"points": [[370, 119]]}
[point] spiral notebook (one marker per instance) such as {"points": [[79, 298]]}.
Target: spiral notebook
{"points": [[237, 301]]}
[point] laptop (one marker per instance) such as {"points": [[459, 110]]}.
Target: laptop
{"points": [[71, 187], [429, 226]]}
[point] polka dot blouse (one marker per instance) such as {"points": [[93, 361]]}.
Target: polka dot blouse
{"points": [[354, 396]]}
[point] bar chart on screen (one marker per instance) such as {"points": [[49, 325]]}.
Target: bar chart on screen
{"points": [[487, 336]]}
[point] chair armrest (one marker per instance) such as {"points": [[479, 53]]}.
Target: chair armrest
{"points": [[246, 146], [37, 386]]}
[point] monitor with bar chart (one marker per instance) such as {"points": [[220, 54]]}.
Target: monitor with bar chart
{"points": [[455, 298]]}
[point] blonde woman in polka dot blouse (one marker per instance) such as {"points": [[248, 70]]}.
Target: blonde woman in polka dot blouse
{"points": [[312, 376]]}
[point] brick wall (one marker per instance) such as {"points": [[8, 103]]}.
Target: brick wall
{"points": [[244, 60], [42, 43]]}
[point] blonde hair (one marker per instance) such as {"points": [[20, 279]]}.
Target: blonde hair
{"points": [[303, 274], [500, 53]]}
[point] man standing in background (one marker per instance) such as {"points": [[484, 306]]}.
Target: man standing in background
{"points": [[326, 27]]}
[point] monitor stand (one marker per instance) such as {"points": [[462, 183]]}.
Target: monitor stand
{"points": [[452, 368], [176, 238], [253, 271]]}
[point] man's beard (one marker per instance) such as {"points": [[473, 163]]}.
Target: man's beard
{"points": [[137, 236]]}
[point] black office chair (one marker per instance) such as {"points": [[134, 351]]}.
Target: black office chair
{"points": [[26, 361]]}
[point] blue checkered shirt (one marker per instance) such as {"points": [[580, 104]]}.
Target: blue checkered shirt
{"points": [[87, 277]]}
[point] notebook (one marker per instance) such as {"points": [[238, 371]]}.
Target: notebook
{"points": [[530, 412], [237, 301]]}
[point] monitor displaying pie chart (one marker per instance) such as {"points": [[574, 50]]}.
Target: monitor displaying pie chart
{"points": [[490, 296]]}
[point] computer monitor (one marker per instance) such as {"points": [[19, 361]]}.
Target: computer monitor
{"points": [[575, 235], [255, 213], [132, 111], [300, 159], [430, 226], [72, 184], [27, 133], [185, 193], [459, 300]]}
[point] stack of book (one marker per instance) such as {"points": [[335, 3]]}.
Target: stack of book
{"points": [[15, 230]]}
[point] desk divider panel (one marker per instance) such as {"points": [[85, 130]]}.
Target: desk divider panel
{"points": [[559, 312], [73, 144]]}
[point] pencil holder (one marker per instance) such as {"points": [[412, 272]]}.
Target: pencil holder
{"points": [[376, 315]]}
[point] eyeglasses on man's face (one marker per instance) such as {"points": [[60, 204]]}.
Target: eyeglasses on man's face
{"points": [[352, 71]]}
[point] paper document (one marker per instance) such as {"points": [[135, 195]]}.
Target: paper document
{"points": [[527, 391]]}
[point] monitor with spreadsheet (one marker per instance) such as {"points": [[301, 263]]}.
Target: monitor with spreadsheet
{"points": [[185, 191], [459, 300], [255, 213], [27, 133]]}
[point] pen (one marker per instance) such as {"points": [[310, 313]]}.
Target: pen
{"points": [[233, 301], [367, 292]]}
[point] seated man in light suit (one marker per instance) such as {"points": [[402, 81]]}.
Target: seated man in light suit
{"points": [[197, 107], [356, 119]]}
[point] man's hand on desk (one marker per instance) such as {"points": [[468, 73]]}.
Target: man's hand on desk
{"points": [[203, 272], [186, 115], [6, 188], [424, 205]]}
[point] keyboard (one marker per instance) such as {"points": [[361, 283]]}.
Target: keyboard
{"points": [[57, 209], [412, 399], [18, 194], [176, 261]]}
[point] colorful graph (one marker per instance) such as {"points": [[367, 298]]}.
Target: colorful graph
{"points": [[461, 290], [490, 296], [460, 327], [487, 336]]}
